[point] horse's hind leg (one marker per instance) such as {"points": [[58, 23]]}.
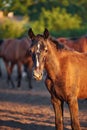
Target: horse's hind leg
{"points": [[29, 73], [9, 69], [30, 78], [19, 66], [73, 107]]}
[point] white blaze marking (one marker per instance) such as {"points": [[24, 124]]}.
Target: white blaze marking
{"points": [[37, 60]]}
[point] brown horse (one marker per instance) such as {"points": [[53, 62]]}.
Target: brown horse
{"points": [[66, 75], [78, 44], [15, 51]]}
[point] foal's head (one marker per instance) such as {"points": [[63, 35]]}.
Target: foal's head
{"points": [[39, 51]]}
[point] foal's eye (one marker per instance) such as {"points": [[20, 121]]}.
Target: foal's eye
{"points": [[46, 50]]}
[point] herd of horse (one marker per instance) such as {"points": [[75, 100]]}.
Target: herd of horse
{"points": [[65, 61]]}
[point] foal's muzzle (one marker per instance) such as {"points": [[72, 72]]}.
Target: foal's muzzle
{"points": [[37, 74]]}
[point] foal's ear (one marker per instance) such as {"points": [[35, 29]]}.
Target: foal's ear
{"points": [[46, 33], [30, 33]]}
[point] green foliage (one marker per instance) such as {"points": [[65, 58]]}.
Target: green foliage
{"points": [[19, 7], [61, 17], [12, 28], [70, 33], [56, 20]]}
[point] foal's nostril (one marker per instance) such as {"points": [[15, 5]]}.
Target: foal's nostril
{"points": [[37, 75], [41, 74]]}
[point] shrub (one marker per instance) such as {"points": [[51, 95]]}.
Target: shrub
{"points": [[10, 28], [55, 20], [70, 32]]}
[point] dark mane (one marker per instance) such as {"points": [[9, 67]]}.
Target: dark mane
{"points": [[53, 40], [59, 45]]}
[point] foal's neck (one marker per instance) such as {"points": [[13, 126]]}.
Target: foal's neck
{"points": [[52, 62]]}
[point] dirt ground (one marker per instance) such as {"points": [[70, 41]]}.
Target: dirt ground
{"points": [[24, 109]]}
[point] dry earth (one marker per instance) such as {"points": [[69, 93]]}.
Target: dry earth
{"points": [[24, 109]]}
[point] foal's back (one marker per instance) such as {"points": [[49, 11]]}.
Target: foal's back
{"points": [[74, 69]]}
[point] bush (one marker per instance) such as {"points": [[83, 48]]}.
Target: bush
{"points": [[10, 28], [55, 20], [70, 33]]}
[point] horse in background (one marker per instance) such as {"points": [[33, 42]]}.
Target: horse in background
{"points": [[66, 75], [79, 44], [16, 51]]}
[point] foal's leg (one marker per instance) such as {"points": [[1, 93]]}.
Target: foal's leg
{"points": [[9, 69], [57, 105], [73, 107], [19, 65]]}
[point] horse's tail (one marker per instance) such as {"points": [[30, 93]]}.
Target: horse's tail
{"points": [[1, 41]]}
